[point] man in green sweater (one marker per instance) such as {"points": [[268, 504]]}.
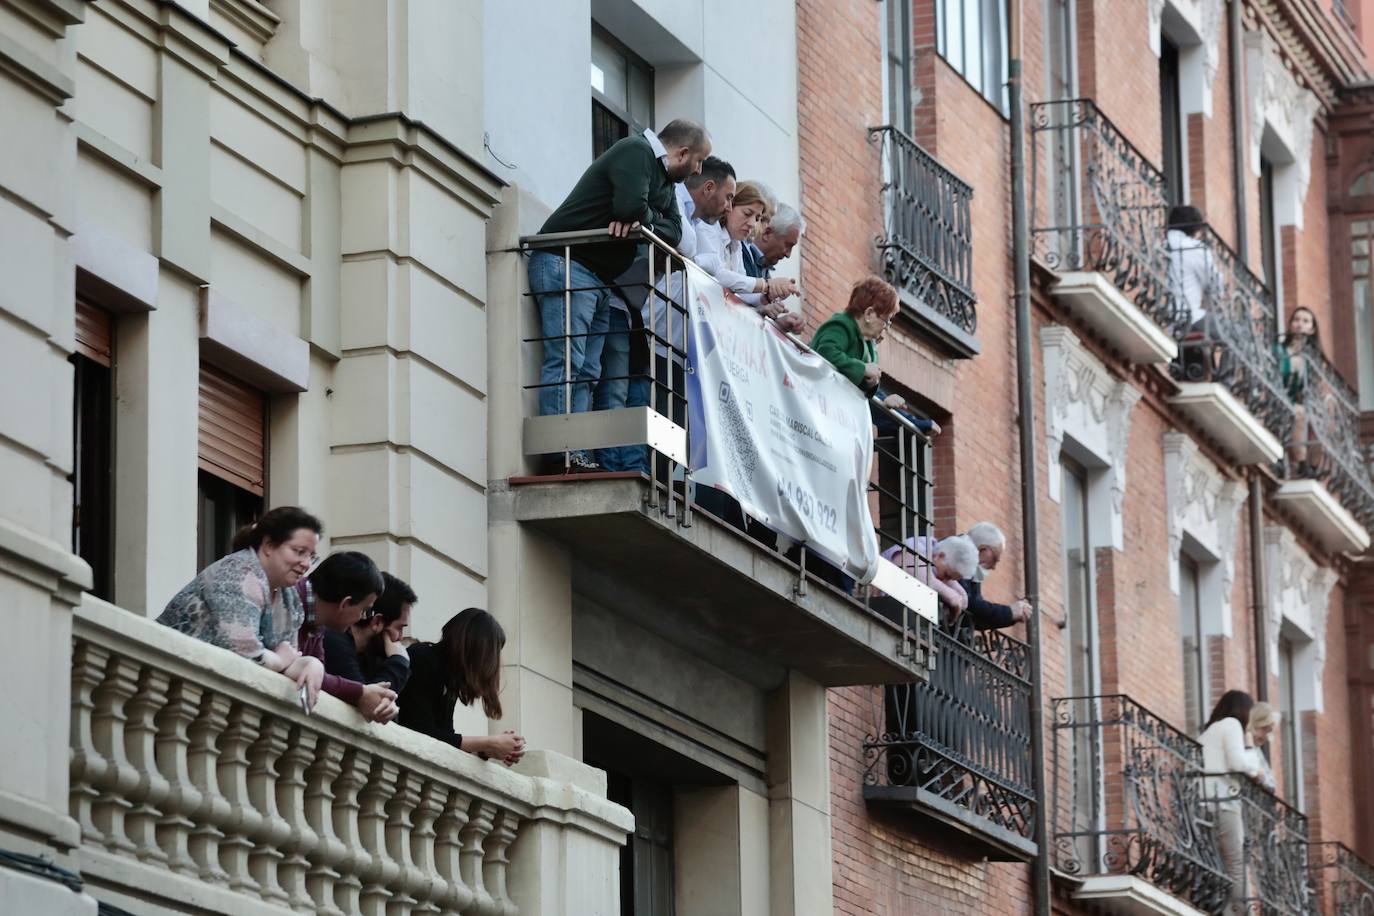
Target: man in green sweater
{"points": [[628, 186]]}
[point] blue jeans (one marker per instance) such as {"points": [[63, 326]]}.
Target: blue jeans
{"points": [[587, 325], [613, 391]]}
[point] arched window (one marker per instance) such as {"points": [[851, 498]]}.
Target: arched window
{"points": [[1363, 185]]}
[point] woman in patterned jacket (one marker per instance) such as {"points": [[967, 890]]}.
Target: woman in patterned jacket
{"points": [[246, 602]]}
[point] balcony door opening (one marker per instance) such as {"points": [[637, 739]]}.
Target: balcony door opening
{"points": [[1269, 238], [1062, 161], [1192, 631], [1171, 122], [1290, 729], [92, 476]]}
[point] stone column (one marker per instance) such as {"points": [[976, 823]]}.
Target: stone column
{"points": [[799, 799]]}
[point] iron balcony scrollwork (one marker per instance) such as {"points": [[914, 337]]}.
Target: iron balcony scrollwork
{"points": [[1099, 205], [1274, 879], [1127, 799], [926, 248], [1326, 431], [961, 741], [1226, 326], [1344, 881]]}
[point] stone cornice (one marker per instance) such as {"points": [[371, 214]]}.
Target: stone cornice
{"points": [[408, 142]]}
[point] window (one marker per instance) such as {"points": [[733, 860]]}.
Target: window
{"points": [[646, 860], [1361, 250], [1291, 732], [232, 452], [92, 444], [1363, 186], [898, 54], [971, 35], [622, 92], [1171, 121], [1194, 657], [1269, 249]]}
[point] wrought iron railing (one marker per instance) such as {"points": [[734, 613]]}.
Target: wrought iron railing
{"points": [[1127, 799], [961, 741], [1343, 881], [927, 243], [1098, 204], [1227, 326], [1274, 879], [1326, 431]]}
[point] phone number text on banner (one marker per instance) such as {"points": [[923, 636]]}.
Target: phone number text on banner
{"points": [[779, 430]]}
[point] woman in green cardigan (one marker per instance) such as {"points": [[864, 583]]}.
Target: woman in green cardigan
{"points": [[847, 340]]}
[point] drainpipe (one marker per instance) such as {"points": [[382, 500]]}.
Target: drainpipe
{"points": [[1259, 610], [1025, 393], [1238, 133]]}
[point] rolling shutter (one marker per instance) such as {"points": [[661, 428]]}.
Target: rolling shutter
{"points": [[233, 430], [94, 333]]}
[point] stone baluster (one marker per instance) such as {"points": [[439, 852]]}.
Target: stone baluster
{"points": [[480, 821], [382, 870], [496, 862], [410, 881], [328, 851], [272, 831], [347, 826], [212, 812], [182, 797], [140, 742], [244, 821], [88, 765], [300, 751], [117, 779], [423, 842], [448, 847]]}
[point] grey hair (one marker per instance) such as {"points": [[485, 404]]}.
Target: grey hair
{"points": [[786, 218], [986, 534], [960, 554]]}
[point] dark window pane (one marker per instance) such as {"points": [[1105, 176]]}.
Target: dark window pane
{"points": [[92, 478], [223, 509], [606, 129], [1171, 119]]}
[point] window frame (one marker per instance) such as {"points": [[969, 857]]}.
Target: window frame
{"points": [[1290, 731], [990, 80], [1194, 662], [92, 475], [621, 113], [1171, 119], [897, 61], [1270, 243]]}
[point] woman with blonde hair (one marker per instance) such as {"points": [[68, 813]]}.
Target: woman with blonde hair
{"points": [[720, 246], [1264, 721]]}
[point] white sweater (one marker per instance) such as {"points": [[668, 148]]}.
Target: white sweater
{"points": [[1223, 751]]}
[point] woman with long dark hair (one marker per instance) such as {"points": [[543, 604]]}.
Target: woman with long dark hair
{"points": [[247, 602], [1225, 760], [462, 667], [1300, 342]]}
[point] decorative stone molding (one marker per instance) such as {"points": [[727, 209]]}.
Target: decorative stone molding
{"points": [[1204, 18], [1087, 403], [1279, 102], [1204, 504], [1299, 593]]}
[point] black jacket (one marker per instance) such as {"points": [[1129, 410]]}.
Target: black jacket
{"points": [[986, 615], [341, 657], [426, 703]]}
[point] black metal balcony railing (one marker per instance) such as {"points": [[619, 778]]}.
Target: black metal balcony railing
{"points": [[1098, 204], [927, 243], [1233, 342], [1343, 881], [959, 744], [1326, 432], [1127, 800], [1274, 878]]}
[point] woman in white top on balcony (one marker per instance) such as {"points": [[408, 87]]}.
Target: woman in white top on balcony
{"points": [[720, 250], [1194, 281], [1224, 759]]}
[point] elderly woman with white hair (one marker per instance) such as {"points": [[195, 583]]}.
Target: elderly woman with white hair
{"points": [[950, 559], [989, 615]]}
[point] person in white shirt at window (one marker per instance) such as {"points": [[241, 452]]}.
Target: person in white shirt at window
{"points": [[1194, 280], [1226, 762], [720, 251]]}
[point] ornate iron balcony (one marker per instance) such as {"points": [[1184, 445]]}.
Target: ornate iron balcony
{"points": [[927, 243], [1326, 429], [1343, 881], [1275, 878], [958, 746], [1226, 326], [1127, 800], [1098, 204]]}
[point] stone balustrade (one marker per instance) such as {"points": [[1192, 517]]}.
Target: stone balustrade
{"points": [[200, 785]]}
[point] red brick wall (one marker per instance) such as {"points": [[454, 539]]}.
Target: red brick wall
{"points": [[885, 864]]}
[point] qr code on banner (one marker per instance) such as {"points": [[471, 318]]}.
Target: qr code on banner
{"points": [[741, 455]]}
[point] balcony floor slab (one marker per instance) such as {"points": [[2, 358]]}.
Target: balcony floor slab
{"points": [[1127, 895], [1312, 504], [1215, 409], [731, 589], [998, 843], [1096, 301]]}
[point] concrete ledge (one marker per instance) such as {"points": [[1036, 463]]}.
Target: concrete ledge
{"points": [[237, 340], [1225, 419], [1127, 895], [117, 275], [1099, 304], [1320, 512]]}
